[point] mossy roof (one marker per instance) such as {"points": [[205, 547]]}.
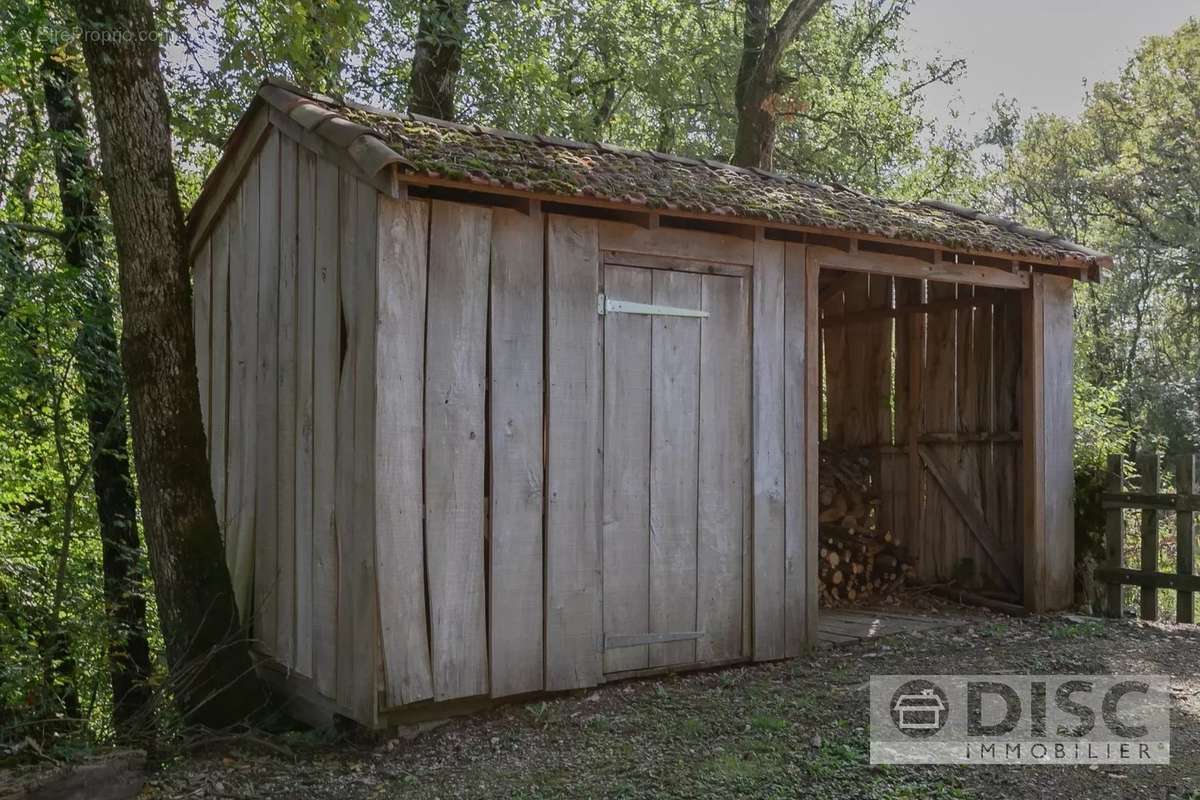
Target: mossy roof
{"points": [[485, 157]]}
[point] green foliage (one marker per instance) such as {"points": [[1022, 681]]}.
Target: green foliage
{"points": [[655, 74], [1125, 179], [658, 74]]}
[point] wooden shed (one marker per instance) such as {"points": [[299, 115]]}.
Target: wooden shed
{"points": [[491, 414]]}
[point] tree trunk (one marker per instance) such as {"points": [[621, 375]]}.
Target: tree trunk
{"points": [[437, 58], [209, 657], [759, 79], [98, 357]]}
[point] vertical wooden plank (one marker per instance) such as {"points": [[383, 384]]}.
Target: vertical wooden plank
{"points": [[306, 254], [888, 513], [285, 631], [1033, 444], [1149, 469], [856, 409], [910, 369], [361, 325], [243, 370], [1114, 537], [1058, 372], [724, 452], [811, 443], [795, 451], [515, 434], [880, 361], [399, 439], [748, 478], [573, 471], [627, 404], [1185, 561], [966, 457], [769, 520], [834, 341], [942, 533], [326, 370], [265, 432], [219, 411], [348, 660], [202, 329], [674, 436], [1006, 349], [455, 379]]}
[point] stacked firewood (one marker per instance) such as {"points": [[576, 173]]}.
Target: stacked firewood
{"points": [[857, 561]]}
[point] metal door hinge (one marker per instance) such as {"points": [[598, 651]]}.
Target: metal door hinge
{"points": [[606, 305], [616, 641]]}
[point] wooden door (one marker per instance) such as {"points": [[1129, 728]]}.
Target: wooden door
{"points": [[676, 458]]}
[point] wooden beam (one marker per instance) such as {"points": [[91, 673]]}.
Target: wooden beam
{"points": [[679, 243], [651, 261], [836, 285], [618, 640], [769, 437], [965, 437], [877, 314], [1151, 501], [1149, 581], [971, 513], [1078, 263], [910, 267]]}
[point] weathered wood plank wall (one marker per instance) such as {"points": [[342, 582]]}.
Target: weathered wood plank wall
{"points": [[769, 427], [724, 430], [674, 443], [784, 567], [515, 437], [573, 468], [627, 401], [455, 436], [947, 381], [288, 255], [386, 396], [1048, 430], [400, 432]]}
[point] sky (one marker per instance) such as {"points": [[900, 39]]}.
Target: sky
{"points": [[1039, 52]]}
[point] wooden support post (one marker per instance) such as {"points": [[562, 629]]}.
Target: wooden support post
{"points": [[1114, 535], [1149, 467], [1047, 475], [916, 353], [1185, 559]]}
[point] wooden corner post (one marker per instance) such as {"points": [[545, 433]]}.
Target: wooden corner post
{"points": [[1047, 434]]}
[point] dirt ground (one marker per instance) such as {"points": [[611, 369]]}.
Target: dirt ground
{"points": [[796, 729]]}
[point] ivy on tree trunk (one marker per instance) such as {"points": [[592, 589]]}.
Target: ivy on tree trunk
{"points": [[97, 354], [208, 655]]}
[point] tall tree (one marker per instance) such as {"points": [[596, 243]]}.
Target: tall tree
{"points": [[760, 79], [98, 357], [437, 58], [208, 657]]}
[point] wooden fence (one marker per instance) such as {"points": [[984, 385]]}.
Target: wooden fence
{"points": [[1151, 501]]}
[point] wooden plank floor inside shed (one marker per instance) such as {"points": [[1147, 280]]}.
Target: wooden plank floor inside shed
{"points": [[846, 626]]}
